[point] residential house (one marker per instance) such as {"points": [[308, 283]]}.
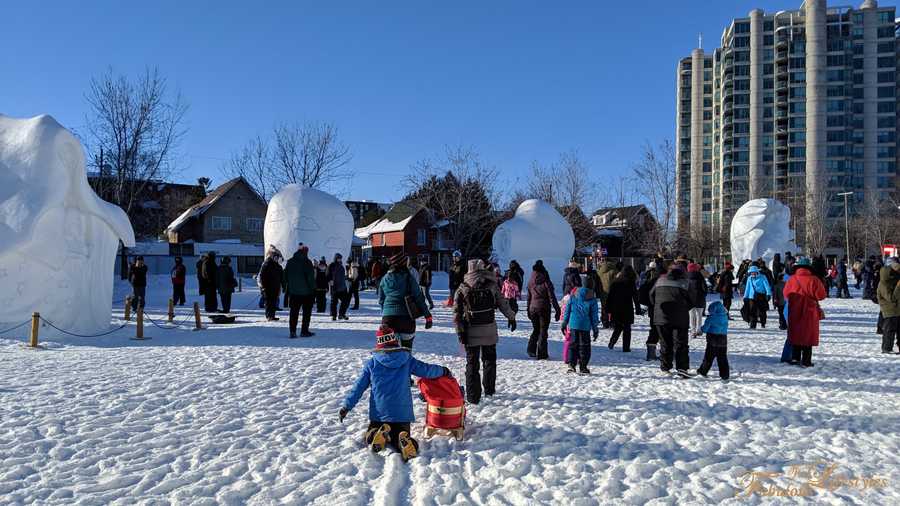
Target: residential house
{"points": [[158, 203], [232, 213], [405, 228], [624, 231]]}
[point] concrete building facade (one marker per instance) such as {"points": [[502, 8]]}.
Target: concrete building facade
{"points": [[798, 105]]}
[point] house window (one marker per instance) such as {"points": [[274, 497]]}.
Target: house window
{"points": [[254, 224], [384, 239], [221, 223], [421, 237]]}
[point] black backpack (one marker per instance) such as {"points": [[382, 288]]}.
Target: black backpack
{"points": [[480, 305]]}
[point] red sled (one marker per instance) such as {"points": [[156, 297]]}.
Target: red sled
{"points": [[446, 409]]}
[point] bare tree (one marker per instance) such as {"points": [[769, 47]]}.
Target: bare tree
{"points": [[875, 223], [458, 188], [654, 176], [818, 229], [134, 128], [308, 154], [254, 163]]}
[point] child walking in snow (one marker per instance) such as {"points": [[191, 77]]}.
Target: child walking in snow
{"points": [[716, 329], [390, 402], [582, 316]]}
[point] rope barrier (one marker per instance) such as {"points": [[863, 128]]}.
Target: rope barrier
{"points": [[17, 327], [164, 327], [82, 335]]}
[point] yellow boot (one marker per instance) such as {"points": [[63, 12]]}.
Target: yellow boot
{"points": [[409, 447], [377, 438]]}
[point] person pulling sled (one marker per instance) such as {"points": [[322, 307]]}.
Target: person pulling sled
{"points": [[390, 402]]}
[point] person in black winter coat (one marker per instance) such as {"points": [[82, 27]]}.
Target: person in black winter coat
{"points": [[425, 279], [340, 292], [654, 271], [572, 278], [623, 304], [137, 276], [696, 285], [671, 306], [779, 302], [455, 275], [210, 272], [271, 277], [725, 287], [321, 285], [201, 282], [226, 283]]}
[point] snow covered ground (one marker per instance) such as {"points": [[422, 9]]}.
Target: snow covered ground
{"points": [[240, 414]]}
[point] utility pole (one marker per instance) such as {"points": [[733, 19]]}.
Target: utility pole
{"points": [[846, 223]]}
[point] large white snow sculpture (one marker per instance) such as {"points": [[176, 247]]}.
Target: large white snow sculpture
{"points": [[761, 228], [58, 239], [536, 232], [313, 217]]}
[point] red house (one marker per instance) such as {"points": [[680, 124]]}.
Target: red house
{"points": [[405, 228]]}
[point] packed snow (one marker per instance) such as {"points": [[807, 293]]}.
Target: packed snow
{"points": [[760, 229], [536, 231], [239, 414], [58, 239], [313, 217]]}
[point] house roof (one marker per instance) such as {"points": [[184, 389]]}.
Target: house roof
{"points": [[622, 211], [395, 220], [201, 207]]}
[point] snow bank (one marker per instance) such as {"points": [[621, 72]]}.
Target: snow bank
{"points": [[58, 240], [760, 228], [310, 216], [536, 232]]}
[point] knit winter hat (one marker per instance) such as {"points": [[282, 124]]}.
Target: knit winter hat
{"points": [[386, 339], [398, 260], [753, 269], [803, 262], [695, 267]]}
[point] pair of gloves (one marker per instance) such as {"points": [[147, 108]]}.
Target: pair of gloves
{"points": [[344, 411]]}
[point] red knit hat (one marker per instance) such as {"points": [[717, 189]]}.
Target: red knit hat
{"points": [[386, 339], [694, 267]]}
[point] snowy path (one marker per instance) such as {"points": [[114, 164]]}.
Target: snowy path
{"points": [[240, 414]]}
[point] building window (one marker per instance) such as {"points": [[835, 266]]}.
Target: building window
{"points": [[221, 223], [885, 17], [383, 240], [421, 236], [886, 61], [254, 224], [885, 32]]}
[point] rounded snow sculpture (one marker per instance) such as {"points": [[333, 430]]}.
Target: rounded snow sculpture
{"points": [[58, 239], [313, 217], [536, 232], [761, 228]]}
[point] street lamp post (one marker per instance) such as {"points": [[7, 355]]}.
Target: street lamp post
{"points": [[846, 223]]}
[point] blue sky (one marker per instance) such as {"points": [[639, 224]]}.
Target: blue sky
{"points": [[516, 80]]}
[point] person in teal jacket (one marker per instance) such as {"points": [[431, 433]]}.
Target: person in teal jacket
{"points": [[582, 317], [716, 329], [395, 286], [390, 401], [757, 293]]}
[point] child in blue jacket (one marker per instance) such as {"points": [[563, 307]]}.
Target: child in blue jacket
{"points": [[582, 317], [390, 402], [716, 329]]}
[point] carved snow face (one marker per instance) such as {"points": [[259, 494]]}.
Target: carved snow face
{"points": [[760, 229], [58, 240], [313, 217], [536, 232]]}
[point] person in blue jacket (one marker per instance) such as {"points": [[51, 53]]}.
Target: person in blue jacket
{"points": [[390, 402], [757, 293], [716, 329], [582, 317]]}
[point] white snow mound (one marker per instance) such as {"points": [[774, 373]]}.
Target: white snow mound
{"points": [[536, 232], [313, 217], [58, 239], [760, 228]]}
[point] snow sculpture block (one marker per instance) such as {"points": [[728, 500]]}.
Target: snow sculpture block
{"points": [[536, 232], [58, 239], [313, 217], [761, 228]]}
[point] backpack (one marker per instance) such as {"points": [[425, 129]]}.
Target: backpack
{"points": [[480, 305]]}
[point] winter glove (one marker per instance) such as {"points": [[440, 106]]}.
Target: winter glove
{"points": [[596, 333], [342, 414], [512, 325], [429, 322], [447, 372], [558, 314]]}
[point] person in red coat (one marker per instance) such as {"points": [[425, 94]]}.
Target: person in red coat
{"points": [[803, 292]]}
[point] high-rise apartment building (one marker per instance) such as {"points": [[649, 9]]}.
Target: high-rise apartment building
{"points": [[797, 105]]}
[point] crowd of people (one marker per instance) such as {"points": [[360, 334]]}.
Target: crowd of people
{"points": [[607, 295]]}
